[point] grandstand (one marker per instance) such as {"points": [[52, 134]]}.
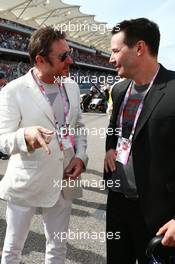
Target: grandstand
{"points": [[91, 59]]}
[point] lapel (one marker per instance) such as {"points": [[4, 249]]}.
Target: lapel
{"points": [[68, 84], [152, 99], [42, 102], [118, 96], [38, 97]]}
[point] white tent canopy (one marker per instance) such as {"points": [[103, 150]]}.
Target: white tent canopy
{"points": [[79, 27]]}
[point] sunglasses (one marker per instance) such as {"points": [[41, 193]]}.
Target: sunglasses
{"points": [[64, 55]]}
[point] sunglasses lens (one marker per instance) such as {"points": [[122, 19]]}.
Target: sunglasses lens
{"points": [[65, 55]]}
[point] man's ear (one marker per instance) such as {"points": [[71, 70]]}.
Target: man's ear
{"points": [[39, 59], [140, 47]]}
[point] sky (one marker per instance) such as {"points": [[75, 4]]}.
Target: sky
{"points": [[160, 11]]}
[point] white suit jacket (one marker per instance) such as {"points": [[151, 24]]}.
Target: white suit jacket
{"points": [[30, 177]]}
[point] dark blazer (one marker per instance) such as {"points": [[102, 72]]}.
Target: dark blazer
{"points": [[153, 148]]}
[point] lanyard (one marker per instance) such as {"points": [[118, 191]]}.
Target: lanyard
{"points": [[66, 108], [63, 96], [139, 108]]}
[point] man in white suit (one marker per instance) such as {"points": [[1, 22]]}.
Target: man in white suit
{"points": [[37, 113]]}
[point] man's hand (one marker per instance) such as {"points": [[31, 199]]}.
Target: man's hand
{"points": [[74, 169], [168, 230], [110, 160], [38, 137]]}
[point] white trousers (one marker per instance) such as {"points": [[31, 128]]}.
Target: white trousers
{"points": [[55, 220]]}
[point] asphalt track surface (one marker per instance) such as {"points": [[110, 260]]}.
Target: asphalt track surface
{"points": [[87, 244]]}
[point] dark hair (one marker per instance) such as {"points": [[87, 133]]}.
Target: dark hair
{"points": [[41, 41], [140, 29]]}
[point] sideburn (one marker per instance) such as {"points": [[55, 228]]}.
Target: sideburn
{"points": [[47, 59]]}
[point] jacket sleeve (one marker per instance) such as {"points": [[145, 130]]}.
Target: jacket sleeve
{"points": [[12, 139]]}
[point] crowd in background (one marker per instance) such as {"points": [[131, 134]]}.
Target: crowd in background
{"points": [[13, 40], [16, 40], [83, 77], [13, 70], [14, 24], [90, 58]]}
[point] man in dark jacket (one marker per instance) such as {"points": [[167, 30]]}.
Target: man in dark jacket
{"points": [[140, 151]]}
